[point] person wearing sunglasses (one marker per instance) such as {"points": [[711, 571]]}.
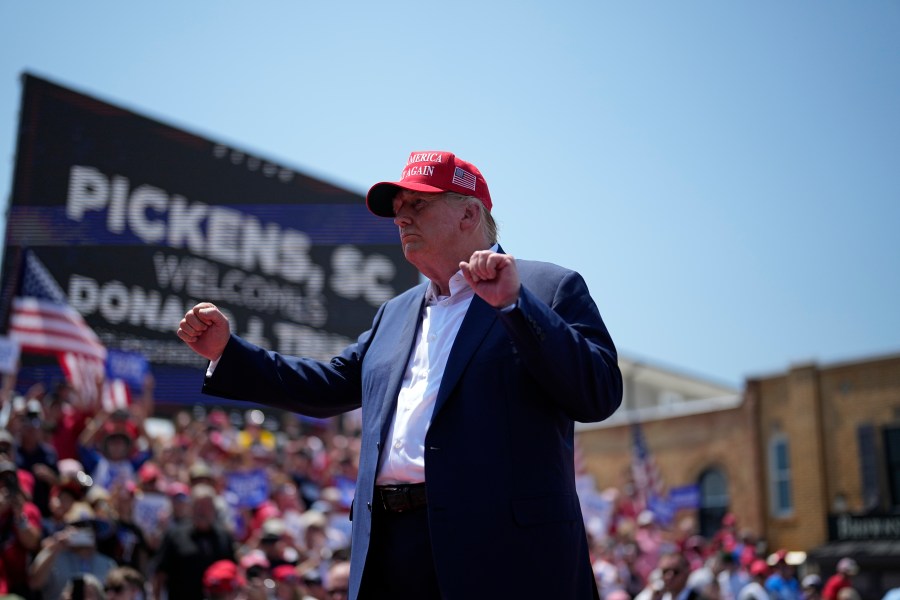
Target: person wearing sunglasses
{"points": [[125, 583], [337, 581]]}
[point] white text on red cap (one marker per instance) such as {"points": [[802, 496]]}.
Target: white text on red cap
{"points": [[431, 157]]}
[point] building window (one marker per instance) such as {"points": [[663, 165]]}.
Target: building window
{"points": [[892, 458], [714, 501], [781, 495], [869, 466]]}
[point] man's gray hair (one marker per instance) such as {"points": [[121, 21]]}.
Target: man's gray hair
{"points": [[488, 225]]}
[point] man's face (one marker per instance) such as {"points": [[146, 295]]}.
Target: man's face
{"points": [[674, 572], [338, 585], [204, 513], [429, 227], [116, 447], [9, 489], [30, 426]]}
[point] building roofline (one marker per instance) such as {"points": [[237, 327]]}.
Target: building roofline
{"points": [[825, 365], [628, 359], [669, 411]]}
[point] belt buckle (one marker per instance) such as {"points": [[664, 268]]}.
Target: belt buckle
{"points": [[395, 499]]}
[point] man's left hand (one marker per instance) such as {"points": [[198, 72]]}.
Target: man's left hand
{"points": [[493, 276]]}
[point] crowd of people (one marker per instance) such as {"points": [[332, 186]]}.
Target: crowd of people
{"points": [[642, 560], [233, 504], [223, 504]]}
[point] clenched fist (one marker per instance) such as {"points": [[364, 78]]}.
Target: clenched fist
{"points": [[493, 276], [205, 330]]}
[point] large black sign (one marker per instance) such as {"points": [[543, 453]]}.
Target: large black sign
{"points": [[844, 528], [137, 220]]}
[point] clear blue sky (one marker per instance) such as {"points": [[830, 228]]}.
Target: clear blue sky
{"points": [[725, 175]]}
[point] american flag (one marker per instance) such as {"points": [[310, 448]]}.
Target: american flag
{"points": [[463, 178], [85, 373], [116, 395], [650, 492], [43, 322]]}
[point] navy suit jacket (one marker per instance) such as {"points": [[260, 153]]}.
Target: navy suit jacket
{"points": [[504, 517]]}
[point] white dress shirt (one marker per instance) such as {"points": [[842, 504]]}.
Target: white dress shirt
{"points": [[403, 459]]}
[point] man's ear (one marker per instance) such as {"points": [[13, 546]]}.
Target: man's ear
{"points": [[470, 218]]}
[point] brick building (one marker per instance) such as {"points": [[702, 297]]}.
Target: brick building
{"points": [[809, 459], [830, 442]]}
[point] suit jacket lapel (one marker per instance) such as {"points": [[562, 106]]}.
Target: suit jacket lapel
{"points": [[478, 320], [475, 325]]}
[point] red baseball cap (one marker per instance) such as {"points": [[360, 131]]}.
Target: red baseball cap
{"points": [[149, 473], [433, 172], [26, 482], [759, 567], [223, 576], [285, 573]]}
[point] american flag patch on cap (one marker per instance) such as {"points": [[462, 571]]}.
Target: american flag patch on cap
{"points": [[463, 178]]}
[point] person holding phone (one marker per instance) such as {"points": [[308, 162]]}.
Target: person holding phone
{"points": [[70, 552]]}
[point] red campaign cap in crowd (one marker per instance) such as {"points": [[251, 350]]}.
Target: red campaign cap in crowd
{"points": [[285, 574], [759, 567], [148, 473], [265, 511], [433, 172], [223, 576], [26, 482], [177, 488]]}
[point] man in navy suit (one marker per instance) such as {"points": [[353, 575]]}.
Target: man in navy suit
{"points": [[470, 385]]}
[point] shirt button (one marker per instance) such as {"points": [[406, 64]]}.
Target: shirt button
{"points": [[432, 337], [398, 445]]}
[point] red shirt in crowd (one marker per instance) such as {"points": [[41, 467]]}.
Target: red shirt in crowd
{"points": [[14, 556], [65, 435], [835, 584]]}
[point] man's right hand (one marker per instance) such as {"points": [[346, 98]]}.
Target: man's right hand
{"points": [[205, 330]]}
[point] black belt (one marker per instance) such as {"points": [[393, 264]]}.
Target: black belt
{"points": [[401, 497]]}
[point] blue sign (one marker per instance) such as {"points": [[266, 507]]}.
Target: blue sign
{"points": [[662, 508], [251, 488], [685, 497], [131, 367]]}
